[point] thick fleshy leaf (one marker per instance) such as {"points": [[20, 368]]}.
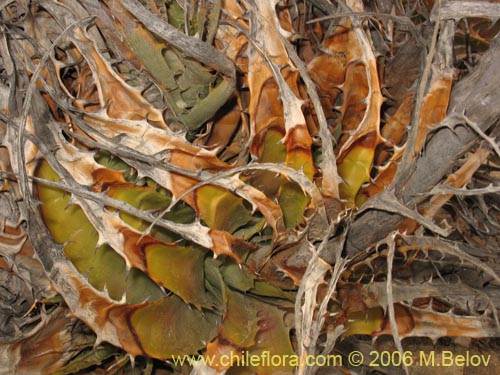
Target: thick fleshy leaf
{"points": [[220, 209], [169, 265], [191, 103], [240, 325], [355, 168], [169, 327], [105, 269], [250, 329]]}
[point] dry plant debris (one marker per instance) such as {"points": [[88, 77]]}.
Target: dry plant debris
{"points": [[226, 178]]}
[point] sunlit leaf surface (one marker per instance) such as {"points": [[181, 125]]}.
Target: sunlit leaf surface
{"points": [[184, 177]]}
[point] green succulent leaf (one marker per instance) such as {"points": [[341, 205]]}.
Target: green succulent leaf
{"points": [[104, 267], [180, 270], [170, 327], [221, 209]]}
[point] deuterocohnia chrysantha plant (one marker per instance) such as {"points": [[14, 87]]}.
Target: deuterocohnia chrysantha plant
{"points": [[190, 171]]}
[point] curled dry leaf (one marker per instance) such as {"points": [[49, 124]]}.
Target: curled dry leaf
{"points": [[194, 179]]}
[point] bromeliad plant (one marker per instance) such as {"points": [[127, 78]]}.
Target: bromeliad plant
{"points": [[190, 172]]}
